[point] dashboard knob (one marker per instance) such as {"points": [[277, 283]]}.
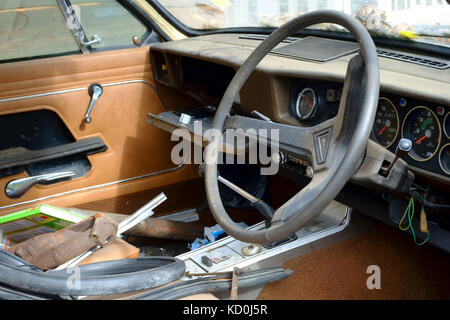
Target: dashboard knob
{"points": [[404, 146]]}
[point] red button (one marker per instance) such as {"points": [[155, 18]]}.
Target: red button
{"points": [[440, 111]]}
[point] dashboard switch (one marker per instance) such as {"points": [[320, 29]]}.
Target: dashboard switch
{"points": [[404, 146], [185, 119]]}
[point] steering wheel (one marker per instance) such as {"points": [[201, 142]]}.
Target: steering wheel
{"points": [[334, 148]]}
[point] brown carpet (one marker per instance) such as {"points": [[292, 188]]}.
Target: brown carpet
{"points": [[339, 271]]}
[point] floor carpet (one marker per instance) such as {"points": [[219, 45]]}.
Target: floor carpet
{"points": [[407, 271]]}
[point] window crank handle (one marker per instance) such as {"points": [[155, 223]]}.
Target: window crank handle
{"points": [[95, 91]]}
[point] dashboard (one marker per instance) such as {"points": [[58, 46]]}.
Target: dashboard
{"points": [[414, 103], [426, 124], [414, 98]]}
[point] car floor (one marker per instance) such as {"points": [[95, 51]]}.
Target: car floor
{"points": [[335, 271], [339, 271]]}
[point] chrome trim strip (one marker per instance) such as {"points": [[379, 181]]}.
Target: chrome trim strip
{"points": [[72, 90], [94, 187], [126, 82], [42, 94]]}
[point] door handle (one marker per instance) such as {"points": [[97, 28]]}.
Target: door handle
{"points": [[16, 188]]}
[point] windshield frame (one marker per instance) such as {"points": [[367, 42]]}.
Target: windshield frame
{"points": [[418, 47]]}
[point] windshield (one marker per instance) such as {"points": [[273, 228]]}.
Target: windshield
{"points": [[418, 20]]}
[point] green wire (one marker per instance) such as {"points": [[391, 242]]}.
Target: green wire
{"points": [[410, 211], [421, 188], [404, 215], [410, 216]]}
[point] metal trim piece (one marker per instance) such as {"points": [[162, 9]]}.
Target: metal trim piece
{"points": [[189, 215], [266, 254]]}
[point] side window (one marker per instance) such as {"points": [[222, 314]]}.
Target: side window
{"points": [[33, 28], [41, 28], [108, 19]]}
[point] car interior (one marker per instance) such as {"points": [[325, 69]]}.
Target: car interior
{"points": [[112, 103]]}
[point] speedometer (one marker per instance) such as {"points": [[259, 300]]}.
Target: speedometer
{"points": [[385, 127], [422, 127]]}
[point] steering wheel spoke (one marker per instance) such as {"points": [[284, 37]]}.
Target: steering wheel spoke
{"points": [[292, 139], [311, 144]]}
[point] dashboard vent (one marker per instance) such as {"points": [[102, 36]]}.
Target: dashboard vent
{"points": [[438, 64], [263, 37]]}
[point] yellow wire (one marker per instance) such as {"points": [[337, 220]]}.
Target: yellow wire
{"points": [[404, 215]]}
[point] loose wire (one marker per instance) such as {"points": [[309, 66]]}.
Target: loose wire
{"points": [[408, 207], [421, 188], [409, 211], [413, 233]]}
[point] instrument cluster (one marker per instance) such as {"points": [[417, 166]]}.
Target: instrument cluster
{"points": [[426, 124]]}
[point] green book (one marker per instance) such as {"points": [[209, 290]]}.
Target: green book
{"points": [[20, 226]]}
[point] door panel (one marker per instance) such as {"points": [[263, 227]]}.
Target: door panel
{"points": [[137, 152]]}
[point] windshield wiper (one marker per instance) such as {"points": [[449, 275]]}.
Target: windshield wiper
{"points": [[74, 24]]}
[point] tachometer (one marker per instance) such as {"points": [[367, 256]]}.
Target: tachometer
{"points": [[447, 125], [385, 127], [422, 127], [444, 158]]}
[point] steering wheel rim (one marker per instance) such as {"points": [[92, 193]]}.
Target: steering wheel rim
{"points": [[345, 147]]}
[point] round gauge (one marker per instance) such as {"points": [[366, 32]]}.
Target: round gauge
{"points": [[447, 125], [306, 104], [385, 127], [444, 158], [422, 127]]}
